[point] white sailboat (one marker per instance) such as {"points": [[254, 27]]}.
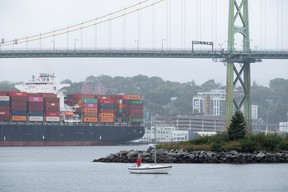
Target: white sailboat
{"points": [[151, 168]]}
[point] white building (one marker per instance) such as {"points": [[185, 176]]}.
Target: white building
{"points": [[213, 103], [283, 127], [254, 109], [165, 134], [210, 103]]}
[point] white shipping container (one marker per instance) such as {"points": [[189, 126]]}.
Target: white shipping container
{"points": [[52, 119], [35, 118], [4, 98]]}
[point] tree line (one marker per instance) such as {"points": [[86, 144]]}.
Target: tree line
{"points": [[174, 98]]}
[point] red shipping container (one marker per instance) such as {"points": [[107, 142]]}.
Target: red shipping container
{"points": [[18, 108], [4, 113], [23, 94], [52, 114], [103, 97], [35, 104], [106, 101], [4, 118], [33, 95], [51, 104], [51, 109], [18, 98], [137, 115], [116, 97], [35, 109], [4, 108], [35, 99], [18, 104], [3, 93], [86, 105], [82, 96], [48, 95], [51, 99], [108, 110]]}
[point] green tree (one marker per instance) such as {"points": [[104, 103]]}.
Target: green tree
{"points": [[237, 128]]}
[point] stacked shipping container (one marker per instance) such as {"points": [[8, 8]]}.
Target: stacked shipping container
{"points": [[89, 111], [4, 107], [18, 106], [52, 108], [106, 109], [35, 107], [102, 109]]}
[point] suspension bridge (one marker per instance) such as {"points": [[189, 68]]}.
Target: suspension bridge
{"points": [[236, 49]]}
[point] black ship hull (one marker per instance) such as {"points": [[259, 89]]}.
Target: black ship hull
{"points": [[67, 135]]}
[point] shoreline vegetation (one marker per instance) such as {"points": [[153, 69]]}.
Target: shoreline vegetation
{"points": [[258, 148], [236, 145]]}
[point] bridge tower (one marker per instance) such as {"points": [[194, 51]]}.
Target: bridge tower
{"points": [[238, 23]]}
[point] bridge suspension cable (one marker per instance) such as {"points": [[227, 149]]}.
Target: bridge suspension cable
{"points": [[80, 26]]}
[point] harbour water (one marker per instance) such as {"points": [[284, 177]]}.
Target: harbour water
{"points": [[69, 169]]}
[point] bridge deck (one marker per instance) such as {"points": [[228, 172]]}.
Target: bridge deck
{"points": [[236, 56]]}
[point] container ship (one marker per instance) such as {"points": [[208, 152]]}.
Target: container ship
{"points": [[41, 115]]}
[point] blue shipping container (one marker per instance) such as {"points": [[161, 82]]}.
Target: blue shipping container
{"points": [[35, 113], [4, 103], [18, 113]]}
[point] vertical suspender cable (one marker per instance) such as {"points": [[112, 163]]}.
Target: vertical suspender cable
{"points": [[67, 38], [110, 32], [81, 35], [139, 24], [200, 18], [282, 28], [96, 34], [212, 21], [265, 24], [261, 20], [124, 30], [197, 19], [216, 39], [153, 25], [185, 24], [277, 12], [167, 23], [182, 22]]}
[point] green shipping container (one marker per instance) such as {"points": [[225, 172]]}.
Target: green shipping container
{"points": [[135, 101], [136, 120], [89, 101]]}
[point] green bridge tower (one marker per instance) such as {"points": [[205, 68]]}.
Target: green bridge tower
{"points": [[238, 24]]}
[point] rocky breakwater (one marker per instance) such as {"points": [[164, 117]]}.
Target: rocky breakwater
{"points": [[178, 156]]}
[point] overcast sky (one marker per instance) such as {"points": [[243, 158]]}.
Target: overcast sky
{"points": [[172, 24]]}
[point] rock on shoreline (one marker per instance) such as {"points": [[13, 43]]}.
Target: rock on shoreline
{"points": [[178, 156]]}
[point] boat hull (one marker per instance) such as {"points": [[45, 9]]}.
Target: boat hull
{"points": [[67, 135], [150, 169]]}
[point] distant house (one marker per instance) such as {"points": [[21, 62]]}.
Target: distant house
{"points": [[96, 88]]}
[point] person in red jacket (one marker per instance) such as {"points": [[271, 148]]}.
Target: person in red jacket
{"points": [[138, 160]]}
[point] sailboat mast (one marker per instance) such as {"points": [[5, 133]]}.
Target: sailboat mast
{"points": [[155, 153]]}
